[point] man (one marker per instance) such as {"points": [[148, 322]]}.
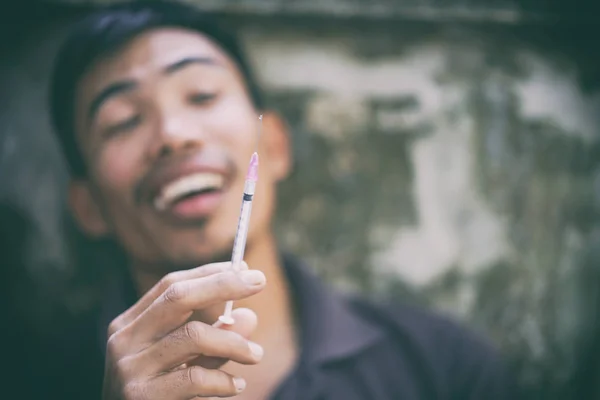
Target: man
{"points": [[157, 113]]}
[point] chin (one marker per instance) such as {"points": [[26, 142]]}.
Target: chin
{"points": [[196, 258], [210, 245]]}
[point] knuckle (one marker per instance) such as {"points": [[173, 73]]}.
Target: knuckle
{"points": [[121, 370], [194, 331], [133, 391], [175, 293], [168, 280], [115, 326], [113, 346]]}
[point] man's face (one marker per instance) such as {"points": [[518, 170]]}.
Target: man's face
{"points": [[167, 128]]}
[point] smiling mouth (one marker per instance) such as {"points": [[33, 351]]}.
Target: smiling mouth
{"points": [[187, 187]]}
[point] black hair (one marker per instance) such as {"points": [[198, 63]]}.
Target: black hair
{"points": [[105, 31]]}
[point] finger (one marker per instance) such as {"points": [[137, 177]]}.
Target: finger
{"points": [[173, 308], [190, 383], [190, 341], [149, 297], [245, 324]]}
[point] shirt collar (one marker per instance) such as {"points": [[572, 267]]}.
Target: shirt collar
{"points": [[329, 329]]}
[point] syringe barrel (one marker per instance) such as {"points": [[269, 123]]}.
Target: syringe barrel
{"points": [[249, 187], [239, 244]]}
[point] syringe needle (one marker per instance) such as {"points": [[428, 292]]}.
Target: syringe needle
{"points": [[259, 133]]}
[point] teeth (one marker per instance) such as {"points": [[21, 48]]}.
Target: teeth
{"points": [[186, 185]]}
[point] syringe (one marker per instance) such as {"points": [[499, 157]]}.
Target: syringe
{"points": [[239, 244]]}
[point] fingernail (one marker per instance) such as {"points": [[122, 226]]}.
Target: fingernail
{"points": [[252, 277], [256, 350], [239, 384]]}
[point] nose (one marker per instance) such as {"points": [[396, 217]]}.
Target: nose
{"points": [[174, 134]]}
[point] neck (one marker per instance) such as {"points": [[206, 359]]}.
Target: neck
{"points": [[273, 306]]}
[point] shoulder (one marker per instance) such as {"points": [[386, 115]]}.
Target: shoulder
{"points": [[454, 357], [419, 325]]}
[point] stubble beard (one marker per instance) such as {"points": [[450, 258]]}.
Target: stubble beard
{"points": [[222, 255]]}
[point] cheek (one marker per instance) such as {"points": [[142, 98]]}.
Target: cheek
{"points": [[116, 168], [263, 207], [237, 123], [265, 189]]}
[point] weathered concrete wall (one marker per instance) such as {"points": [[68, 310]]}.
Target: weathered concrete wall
{"points": [[456, 162], [457, 165], [509, 11]]}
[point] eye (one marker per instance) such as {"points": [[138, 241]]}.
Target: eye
{"points": [[202, 98], [125, 125]]}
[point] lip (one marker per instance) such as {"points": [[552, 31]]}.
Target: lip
{"points": [[169, 171], [196, 208]]}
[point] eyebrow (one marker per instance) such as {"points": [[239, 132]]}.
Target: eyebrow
{"points": [[178, 65], [108, 92], [120, 87]]}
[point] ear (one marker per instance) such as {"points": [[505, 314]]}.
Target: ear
{"points": [[276, 143], [86, 210]]}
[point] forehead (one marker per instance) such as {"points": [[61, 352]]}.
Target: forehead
{"points": [[147, 54]]}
